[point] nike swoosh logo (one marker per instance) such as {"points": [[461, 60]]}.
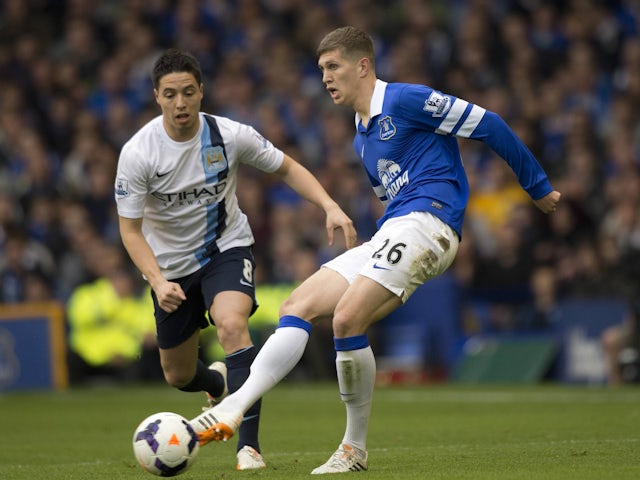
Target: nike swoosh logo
{"points": [[375, 265], [245, 283], [160, 175]]}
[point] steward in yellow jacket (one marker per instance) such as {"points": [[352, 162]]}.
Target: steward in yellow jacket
{"points": [[111, 327]]}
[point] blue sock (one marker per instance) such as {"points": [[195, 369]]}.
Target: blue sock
{"points": [[350, 343], [238, 369], [293, 321], [205, 380]]}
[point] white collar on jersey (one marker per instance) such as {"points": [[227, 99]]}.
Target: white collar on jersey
{"points": [[375, 108]]}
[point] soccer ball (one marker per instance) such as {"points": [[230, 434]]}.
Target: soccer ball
{"points": [[165, 444]]}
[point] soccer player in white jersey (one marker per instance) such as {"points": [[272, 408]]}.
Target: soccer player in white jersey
{"points": [[180, 222], [405, 137]]}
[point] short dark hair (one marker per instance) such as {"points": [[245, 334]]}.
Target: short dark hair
{"points": [[351, 41], [174, 61]]}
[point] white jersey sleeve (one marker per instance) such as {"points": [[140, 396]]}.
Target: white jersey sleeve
{"points": [[185, 192]]}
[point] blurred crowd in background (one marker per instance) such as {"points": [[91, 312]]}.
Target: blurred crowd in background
{"points": [[75, 85]]}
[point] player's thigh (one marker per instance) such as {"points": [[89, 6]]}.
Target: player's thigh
{"points": [[316, 297], [364, 303]]}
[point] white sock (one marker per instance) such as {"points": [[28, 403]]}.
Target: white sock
{"points": [[277, 357], [356, 378]]}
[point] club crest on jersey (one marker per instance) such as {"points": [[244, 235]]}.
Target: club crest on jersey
{"points": [[387, 128], [214, 159], [122, 188], [391, 176], [437, 104]]}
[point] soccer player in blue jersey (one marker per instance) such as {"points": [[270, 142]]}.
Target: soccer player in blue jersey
{"points": [[405, 137], [180, 222]]}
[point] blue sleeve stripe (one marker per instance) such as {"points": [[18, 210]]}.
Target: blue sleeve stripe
{"points": [[453, 117], [471, 122]]}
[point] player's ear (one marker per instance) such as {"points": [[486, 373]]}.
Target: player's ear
{"points": [[364, 66], [156, 94]]}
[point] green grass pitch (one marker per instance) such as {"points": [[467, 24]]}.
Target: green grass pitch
{"points": [[431, 432]]}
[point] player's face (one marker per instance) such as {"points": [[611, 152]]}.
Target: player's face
{"points": [[179, 97], [340, 77]]}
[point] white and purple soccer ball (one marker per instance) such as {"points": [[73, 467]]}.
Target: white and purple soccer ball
{"points": [[165, 444]]}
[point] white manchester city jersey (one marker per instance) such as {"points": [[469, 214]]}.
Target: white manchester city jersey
{"points": [[186, 191]]}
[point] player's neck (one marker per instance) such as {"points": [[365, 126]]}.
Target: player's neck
{"points": [[362, 105], [364, 118]]}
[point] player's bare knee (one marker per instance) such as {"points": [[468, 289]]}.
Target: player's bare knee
{"points": [[290, 306], [343, 326], [298, 307], [233, 336]]}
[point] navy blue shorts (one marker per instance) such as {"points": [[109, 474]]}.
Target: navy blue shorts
{"points": [[230, 270]]}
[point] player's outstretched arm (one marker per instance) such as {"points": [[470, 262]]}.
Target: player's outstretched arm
{"points": [[308, 186]]}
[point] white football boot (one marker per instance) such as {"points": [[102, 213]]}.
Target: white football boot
{"points": [[213, 424], [345, 459], [250, 459]]}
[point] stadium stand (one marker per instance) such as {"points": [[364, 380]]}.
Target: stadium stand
{"points": [[565, 74]]}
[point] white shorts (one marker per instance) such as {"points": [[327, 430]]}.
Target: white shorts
{"points": [[405, 253]]}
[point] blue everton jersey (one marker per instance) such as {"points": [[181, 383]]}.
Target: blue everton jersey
{"points": [[412, 158]]}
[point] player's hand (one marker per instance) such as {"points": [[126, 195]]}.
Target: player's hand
{"points": [[170, 295], [549, 202], [336, 218]]}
